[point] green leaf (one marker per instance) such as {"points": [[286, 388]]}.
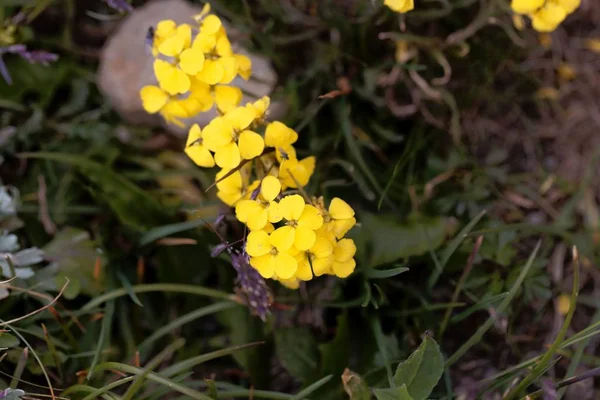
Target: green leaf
{"points": [[73, 255], [398, 393], [334, 355], [297, 350], [355, 386], [7, 340], [388, 239], [422, 370]]}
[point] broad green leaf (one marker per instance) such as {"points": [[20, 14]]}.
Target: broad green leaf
{"points": [[7, 340], [397, 393], [388, 239], [297, 350], [355, 386], [73, 255], [422, 370]]}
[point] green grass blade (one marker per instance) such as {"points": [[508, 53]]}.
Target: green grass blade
{"points": [[154, 377], [184, 319], [547, 358], [490, 321], [104, 332], [166, 230], [157, 287], [94, 393], [152, 364], [301, 395], [184, 365], [127, 286], [373, 273], [452, 247], [377, 332]]}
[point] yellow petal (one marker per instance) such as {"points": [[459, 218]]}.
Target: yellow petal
{"points": [[344, 269], [191, 61], [200, 155], [217, 134], [205, 43], [241, 117], [171, 46], [244, 208], [269, 228], [165, 27], [230, 69], [341, 226], [278, 134], [292, 284], [205, 10], [231, 184], [339, 209], [194, 135], [274, 212], [292, 207], [265, 265], [344, 250], [211, 24], [282, 238], [311, 218], [244, 66], [251, 145], [212, 72], [223, 48], [258, 244], [304, 271], [270, 188], [323, 265], [285, 153], [285, 265], [304, 238], [257, 220], [170, 78], [228, 156], [526, 6], [322, 247], [153, 98], [227, 97]]}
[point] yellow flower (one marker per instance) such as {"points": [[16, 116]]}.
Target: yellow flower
{"points": [[548, 17], [195, 149], [268, 258], [343, 254], [230, 139], [257, 213], [164, 29], [293, 172], [400, 6], [290, 283], [301, 222], [226, 97], [340, 216], [221, 65], [319, 257], [235, 187], [172, 109], [526, 6], [260, 107]]}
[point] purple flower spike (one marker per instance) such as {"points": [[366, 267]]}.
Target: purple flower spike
{"points": [[252, 286], [119, 5]]}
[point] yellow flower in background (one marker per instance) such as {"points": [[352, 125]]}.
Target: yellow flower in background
{"points": [[260, 107], [341, 217], [153, 98], [548, 17], [526, 6], [156, 100], [164, 29], [268, 258], [231, 189], [196, 150], [302, 220], [293, 172], [400, 6], [244, 66], [568, 5], [257, 213], [343, 254]]}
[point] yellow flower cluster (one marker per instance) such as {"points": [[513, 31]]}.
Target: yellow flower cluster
{"points": [[400, 6], [546, 15], [292, 237], [194, 66]]}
